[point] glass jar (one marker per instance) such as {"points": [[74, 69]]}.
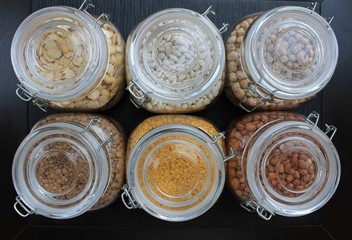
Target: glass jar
{"points": [[175, 167], [67, 59], [69, 164], [279, 59], [175, 62], [284, 165]]}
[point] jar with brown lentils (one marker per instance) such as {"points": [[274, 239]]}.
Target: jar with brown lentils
{"points": [[284, 165], [175, 167], [69, 164], [279, 59]]}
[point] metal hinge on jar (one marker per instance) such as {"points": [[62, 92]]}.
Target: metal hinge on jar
{"points": [[313, 119], [101, 20], [312, 8], [127, 198], [137, 97], [26, 96], [27, 210], [224, 25], [216, 140], [91, 123], [255, 90], [251, 205]]}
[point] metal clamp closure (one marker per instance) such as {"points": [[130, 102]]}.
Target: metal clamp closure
{"points": [[137, 97], [90, 123], [330, 129], [85, 5], [102, 19], [26, 96], [255, 90], [23, 206], [312, 6], [313, 118], [224, 25], [127, 198], [251, 205], [216, 139]]}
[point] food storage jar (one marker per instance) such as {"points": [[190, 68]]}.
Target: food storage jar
{"points": [[69, 60], [279, 59], [284, 165], [69, 164], [175, 61], [175, 167]]}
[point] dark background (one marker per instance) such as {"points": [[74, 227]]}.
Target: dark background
{"points": [[226, 219]]}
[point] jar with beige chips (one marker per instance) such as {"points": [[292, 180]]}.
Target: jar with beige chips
{"points": [[284, 165], [279, 59], [175, 62], [67, 59], [175, 167], [69, 164]]}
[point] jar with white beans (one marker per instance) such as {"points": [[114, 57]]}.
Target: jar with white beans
{"points": [[175, 62], [279, 59], [68, 164], [67, 59]]}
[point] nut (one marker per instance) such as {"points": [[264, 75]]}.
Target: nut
{"points": [[281, 170], [293, 54]]}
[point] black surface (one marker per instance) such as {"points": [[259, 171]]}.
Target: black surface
{"points": [[226, 219]]}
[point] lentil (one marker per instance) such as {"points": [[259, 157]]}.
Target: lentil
{"points": [[175, 168], [48, 170]]}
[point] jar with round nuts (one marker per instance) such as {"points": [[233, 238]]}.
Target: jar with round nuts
{"points": [[67, 59], [284, 165], [175, 62], [279, 59], [69, 164], [175, 167]]}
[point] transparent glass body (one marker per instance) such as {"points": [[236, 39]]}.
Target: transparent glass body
{"points": [[175, 62], [279, 59], [67, 59], [175, 168], [285, 165], [69, 164]]}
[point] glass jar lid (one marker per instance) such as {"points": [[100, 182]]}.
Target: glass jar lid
{"points": [[176, 55], [176, 172], [291, 52], [296, 168], [59, 53], [60, 171]]}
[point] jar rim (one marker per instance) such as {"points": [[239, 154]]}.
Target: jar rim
{"points": [[150, 31], [271, 66], [326, 162], [31, 153], [168, 210], [23, 53]]}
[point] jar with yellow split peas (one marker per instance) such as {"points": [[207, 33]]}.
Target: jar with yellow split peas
{"points": [[175, 167], [67, 59], [69, 163], [284, 163]]}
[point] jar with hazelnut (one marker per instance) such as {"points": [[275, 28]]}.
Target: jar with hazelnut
{"points": [[284, 165], [279, 59]]}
